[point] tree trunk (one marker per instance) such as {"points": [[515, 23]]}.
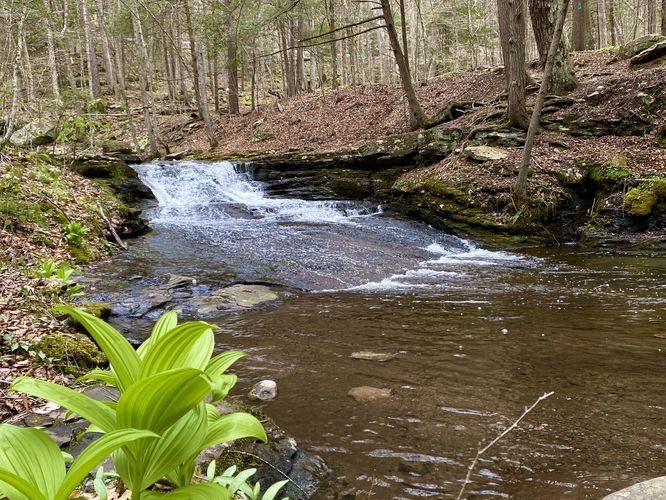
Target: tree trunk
{"points": [[580, 25], [106, 49], [93, 72], [142, 57], [417, 118], [602, 32], [200, 91], [543, 14], [511, 15], [652, 16], [50, 46], [232, 61], [27, 71], [521, 184], [612, 21], [334, 47], [663, 17], [16, 89]]}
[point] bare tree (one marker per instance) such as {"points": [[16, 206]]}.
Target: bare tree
{"points": [[417, 117], [602, 32], [93, 72], [16, 89]]}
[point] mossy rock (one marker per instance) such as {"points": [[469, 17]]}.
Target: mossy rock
{"points": [[640, 201], [75, 352], [97, 309], [633, 47], [613, 172]]}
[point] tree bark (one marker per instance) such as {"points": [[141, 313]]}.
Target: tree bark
{"points": [[200, 91], [417, 117], [106, 49], [50, 45], [663, 17], [232, 61], [652, 16], [521, 184], [543, 14], [334, 47], [602, 32], [580, 25], [93, 72], [16, 89], [511, 15]]}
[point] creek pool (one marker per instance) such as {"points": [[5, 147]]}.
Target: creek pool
{"points": [[476, 335]]}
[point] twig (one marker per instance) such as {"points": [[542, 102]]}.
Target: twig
{"points": [[494, 441], [111, 228]]}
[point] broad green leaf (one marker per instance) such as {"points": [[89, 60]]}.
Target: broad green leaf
{"points": [[220, 363], [189, 345], [273, 490], [100, 375], [141, 463], [95, 453], [221, 385], [166, 323], [157, 402], [234, 426], [31, 455], [99, 485], [123, 358], [95, 412], [17, 488], [206, 491]]}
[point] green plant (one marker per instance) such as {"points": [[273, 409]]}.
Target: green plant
{"points": [[239, 483], [33, 468], [164, 387], [74, 232], [61, 274]]}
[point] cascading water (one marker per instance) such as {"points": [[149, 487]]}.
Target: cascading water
{"points": [[319, 245]]}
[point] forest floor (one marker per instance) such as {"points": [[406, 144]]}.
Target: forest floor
{"points": [[40, 243], [350, 117]]}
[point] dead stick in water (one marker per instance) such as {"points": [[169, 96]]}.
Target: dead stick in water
{"points": [[481, 451], [111, 228]]}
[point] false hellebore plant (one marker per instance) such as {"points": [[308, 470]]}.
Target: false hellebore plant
{"points": [[164, 418]]}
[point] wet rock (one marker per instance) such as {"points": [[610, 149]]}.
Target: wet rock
{"points": [[37, 420], [97, 309], [266, 390], [36, 133], [366, 393], [654, 489], [102, 167], [178, 281], [373, 356], [61, 433], [236, 297], [120, 150], [485, 153], [650, 54], [638, 45]]}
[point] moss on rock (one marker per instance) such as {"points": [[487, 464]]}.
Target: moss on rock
{"points": [[97, 309], [75, 352], [644, 199]]}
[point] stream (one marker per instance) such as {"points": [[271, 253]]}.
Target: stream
{"points": [[475, 336]]}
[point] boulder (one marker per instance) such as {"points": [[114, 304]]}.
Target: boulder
{"points": [[102, 167], [365, 393], [36, 133], [485, 153], [650, 54], [115, 147], [633, 47], [654, 489], [72, 352], [266, 390]]}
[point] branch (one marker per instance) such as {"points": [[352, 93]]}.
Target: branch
{"points": [[342, 28], [481, 451], [294, 47]]}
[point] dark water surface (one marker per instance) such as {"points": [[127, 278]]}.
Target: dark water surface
{"points": [[478, 335]]}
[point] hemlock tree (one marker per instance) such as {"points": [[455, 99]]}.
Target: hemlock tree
{"points": [[543, 14], [511, 14]]}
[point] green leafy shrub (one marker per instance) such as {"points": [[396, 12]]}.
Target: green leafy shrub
{"points": [[164, 387], [74, 233]]}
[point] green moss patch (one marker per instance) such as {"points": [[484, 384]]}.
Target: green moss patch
{"points": [[75, 352], [644, 199]]}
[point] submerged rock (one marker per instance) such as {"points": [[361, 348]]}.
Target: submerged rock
{"points": [[266, 390], [654, 489], [373, 356], [366, 393], [235, 297]]}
